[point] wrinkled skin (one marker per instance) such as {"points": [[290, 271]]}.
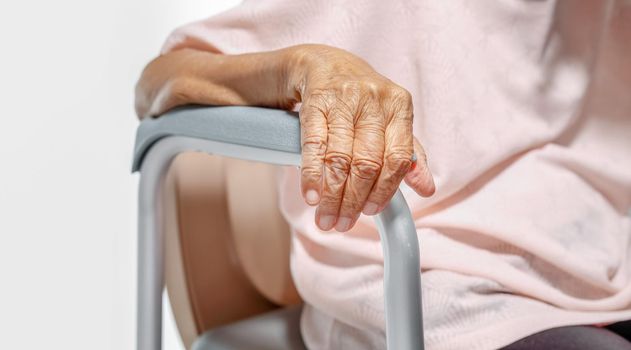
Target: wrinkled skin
{"points": [[357, 142]]}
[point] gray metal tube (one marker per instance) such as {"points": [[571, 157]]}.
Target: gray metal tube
{"points": [[396, 228], [151, 226], [150, 257], [151, 247], [402, 277]]}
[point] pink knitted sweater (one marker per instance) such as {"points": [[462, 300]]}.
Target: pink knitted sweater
{"points": [[524, 109]]}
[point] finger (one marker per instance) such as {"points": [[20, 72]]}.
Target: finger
{"points": [[368, 148], [337, 163], [419, 178], [313, 138], [397, 160]]}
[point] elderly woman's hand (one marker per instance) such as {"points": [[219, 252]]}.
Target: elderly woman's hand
{"points": [[357, 142]]}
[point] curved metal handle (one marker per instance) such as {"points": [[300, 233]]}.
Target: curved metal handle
{"points": [[404, 326], [402, 276]]}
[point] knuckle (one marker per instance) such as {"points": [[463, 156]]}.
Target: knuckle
{"points": [[311, 173], [402, 149], [367, 169], [401, 100], [398, 165], [338, 161], [400, 94], [373, 88], [350, 86], [314, 144]]}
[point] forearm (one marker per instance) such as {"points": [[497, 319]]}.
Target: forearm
{"points": [[356, 125], [269, 79]]}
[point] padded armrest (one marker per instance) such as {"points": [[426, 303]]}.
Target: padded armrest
{"points": [[248, 126]]}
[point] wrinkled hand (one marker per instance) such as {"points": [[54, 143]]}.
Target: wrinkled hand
{"points": [[357, 142]]}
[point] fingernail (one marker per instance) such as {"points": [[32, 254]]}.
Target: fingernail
{"points": [[343, 224], [326, 222], [370, 208], [312, 197]]}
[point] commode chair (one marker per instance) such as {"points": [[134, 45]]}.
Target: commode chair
{"points": [[268, 136]]}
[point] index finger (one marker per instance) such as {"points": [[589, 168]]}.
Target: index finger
{"points": [[313, 138]]}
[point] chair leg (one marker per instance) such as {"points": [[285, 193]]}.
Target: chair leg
{"points": [[150, 261]]}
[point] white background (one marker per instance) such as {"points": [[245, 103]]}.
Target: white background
{"points": [[67, 199]]}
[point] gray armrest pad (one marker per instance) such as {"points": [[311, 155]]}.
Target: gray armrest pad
{"points": [[250, 126]]}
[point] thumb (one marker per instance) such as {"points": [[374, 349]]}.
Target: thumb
{"points": [[419, 176]]}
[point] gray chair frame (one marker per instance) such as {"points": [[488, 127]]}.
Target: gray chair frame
{"points": [[269, 136]]}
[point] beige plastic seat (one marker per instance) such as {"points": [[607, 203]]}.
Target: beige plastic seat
{"points": [[221, 269], [276, 330]]}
